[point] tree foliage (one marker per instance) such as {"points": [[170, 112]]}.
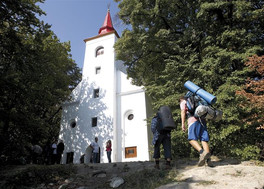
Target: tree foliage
{"points": [[37, 75], [168, 42], [253, 90]]}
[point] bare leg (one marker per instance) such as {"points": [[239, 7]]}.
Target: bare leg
{"points": [[205, 146], [195, 144], [206, 149]]}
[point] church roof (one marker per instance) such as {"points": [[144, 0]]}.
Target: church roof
{"points": [[106, 29], [107, 26]]}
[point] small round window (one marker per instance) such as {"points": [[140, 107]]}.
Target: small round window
{"points": [[130, 116], [73, 124]]}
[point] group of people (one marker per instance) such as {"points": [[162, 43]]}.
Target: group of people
{"points": [[57, 148], [51, 153], [96, 150], [197, 131]]}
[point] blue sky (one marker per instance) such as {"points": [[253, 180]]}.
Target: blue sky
{"points": [[76, 20]]}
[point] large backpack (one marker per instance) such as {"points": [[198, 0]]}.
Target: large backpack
{"points": [[165, 119], [199, 108], [193, 101]]}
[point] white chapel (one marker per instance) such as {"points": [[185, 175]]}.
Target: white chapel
{"points": [[106, 105]]}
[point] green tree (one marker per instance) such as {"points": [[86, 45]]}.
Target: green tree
{"points": [[37, 75], [168, 42]]}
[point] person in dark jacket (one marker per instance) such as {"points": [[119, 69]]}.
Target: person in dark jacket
{"points": [[60, 149], [161, 137]]}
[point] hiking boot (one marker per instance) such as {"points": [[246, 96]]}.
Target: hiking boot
{"points": [[167, 167], [209, 163], [203, 157], [157, 166]]}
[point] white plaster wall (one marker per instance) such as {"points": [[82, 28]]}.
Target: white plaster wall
{"points": [[131, 99], [135, 131], [126, 84], [77, 139], [90, 61]]}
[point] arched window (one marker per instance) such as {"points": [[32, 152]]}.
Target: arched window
{"points": [[99, 51]]}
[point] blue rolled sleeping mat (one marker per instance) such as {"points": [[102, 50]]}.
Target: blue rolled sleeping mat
{"points": [[207, 111], [211, 99]]}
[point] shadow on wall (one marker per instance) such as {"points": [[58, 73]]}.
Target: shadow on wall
{"points": [[82, 108]]}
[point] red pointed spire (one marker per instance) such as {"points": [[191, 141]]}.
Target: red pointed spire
{"points": [[107, 26]]}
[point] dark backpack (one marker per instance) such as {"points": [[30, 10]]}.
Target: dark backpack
{"points": [[165, 119]]}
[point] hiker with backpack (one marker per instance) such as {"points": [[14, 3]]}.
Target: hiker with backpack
{"points": [[161, 125], [197, 106], [197, 130]]}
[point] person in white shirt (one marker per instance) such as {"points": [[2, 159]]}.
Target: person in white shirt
{"points": [[95, 147], [54, 152]]}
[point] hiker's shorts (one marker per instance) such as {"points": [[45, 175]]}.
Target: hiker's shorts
{"points": [[198, 131]]}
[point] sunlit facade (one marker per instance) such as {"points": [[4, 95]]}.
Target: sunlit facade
{"points": [[106, 105]]}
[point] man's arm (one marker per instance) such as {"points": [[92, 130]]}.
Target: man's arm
{"points": [[183, 115], [153, 125], [91, 145]]}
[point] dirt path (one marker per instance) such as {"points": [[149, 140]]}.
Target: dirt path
{"points": [[244, 175], [227, 174]]}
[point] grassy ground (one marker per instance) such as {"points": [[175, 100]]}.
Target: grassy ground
{"points": [[135, 175], [30, 176]]}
